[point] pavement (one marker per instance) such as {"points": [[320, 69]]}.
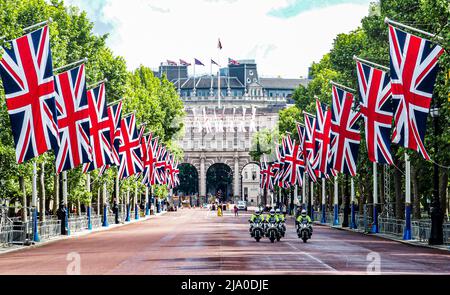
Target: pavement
{"points": [[198, 242]]}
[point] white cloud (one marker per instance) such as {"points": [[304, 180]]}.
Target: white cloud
{"points": [[148, 32]]}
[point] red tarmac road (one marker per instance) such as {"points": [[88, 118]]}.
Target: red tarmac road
{"points": [[198, 242]]}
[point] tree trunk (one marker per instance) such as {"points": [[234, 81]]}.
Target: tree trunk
{"points": [[415, 193], [42, 192], [55, 193], [381, 185], [399, 198], [443, 187]]}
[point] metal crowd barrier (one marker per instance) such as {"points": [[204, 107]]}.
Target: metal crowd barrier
{"points": [[49, 228], [96, 221], [77, 224]]}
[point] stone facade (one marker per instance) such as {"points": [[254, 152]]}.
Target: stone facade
{"points": [[224, 135]]}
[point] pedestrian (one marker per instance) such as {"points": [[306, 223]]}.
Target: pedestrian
{"points": [[236, 211]]}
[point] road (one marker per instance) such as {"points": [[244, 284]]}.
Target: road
{"points": [[195, 241]]}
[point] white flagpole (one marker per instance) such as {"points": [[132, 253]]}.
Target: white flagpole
{"points": [[336, 201], [304, 189], [195, 89], [34, 203], [312, 200], [352, 196], [324, 200]]}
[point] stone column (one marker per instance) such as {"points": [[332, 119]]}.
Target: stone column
{"points": [[237, 177], [202, 175]]}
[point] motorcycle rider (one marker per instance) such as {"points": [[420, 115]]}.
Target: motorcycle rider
{"points": [[304, 216], [256, 217], [279, 215]]}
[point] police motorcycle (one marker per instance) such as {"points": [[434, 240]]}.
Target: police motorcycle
{"points": [[304, 228], [257, 227], [281, 225], [272, 231]]}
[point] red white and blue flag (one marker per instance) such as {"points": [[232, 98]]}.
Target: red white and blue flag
{"points": [[27, 75], [160, 166], [322, 138], [233, 62], [184, 63], [73, 119], [376, 107], [171, 63], [414, 67], [294, 163], [150, 161], [345, 135], [115, 116], [99, 130], [309, 144], [130, 148]]}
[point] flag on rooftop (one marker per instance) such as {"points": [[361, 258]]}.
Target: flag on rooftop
{"points": [[214, 63], [233, 62], [171, 63], [197, 62], [184, 63], [219, 45]]}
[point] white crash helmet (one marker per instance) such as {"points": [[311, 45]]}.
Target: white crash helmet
{"points": [[303, 213], [257, 212], [278, 211], [272, 212]]}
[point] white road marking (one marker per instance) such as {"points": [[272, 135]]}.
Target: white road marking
{"points": [[313, 258]]}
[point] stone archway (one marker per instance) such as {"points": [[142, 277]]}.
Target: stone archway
{"points": [[219, 180]]}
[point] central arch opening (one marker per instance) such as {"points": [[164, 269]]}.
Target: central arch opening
{"points": [[219, 179]]}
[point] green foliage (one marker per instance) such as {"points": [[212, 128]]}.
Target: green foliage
{"points": [[154, 100]]}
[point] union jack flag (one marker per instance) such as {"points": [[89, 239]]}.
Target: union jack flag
{"points": [[149, 163], [114, 116], [414, 67], [294, 163], [27, 75], [172, 172], [309, 144], [322, 138], [73, 119], [99, 129], [345, 136], [130, 148], [184, 63], [160, 166], [233, 62], [376, 108], [262, 174]]}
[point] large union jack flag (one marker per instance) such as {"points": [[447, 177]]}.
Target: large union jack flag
{"points": [[100, 140], [130, 148], [345, 136], [115, 116], [309, 144], [376, 108], [322, 138], [172, 172], [73, 119], [414, 67], [294, 163], [27, 75]]}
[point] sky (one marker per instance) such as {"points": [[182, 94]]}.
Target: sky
{"points": [[283, 36]]}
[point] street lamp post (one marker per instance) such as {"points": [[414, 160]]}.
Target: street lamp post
{"points": [[437, 216]]}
